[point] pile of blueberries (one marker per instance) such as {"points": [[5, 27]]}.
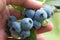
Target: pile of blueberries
{"points": [[33, 19]]}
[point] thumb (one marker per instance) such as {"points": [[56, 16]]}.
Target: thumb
{"points": [[2, 5], [3, 35]]}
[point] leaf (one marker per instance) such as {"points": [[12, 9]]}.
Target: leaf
{"points": [[32, 36], [18, 8]]}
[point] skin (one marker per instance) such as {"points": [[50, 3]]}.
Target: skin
{"points": [[5, 12]]}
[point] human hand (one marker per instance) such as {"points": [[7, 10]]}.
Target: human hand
{"points": [[5, 12]]}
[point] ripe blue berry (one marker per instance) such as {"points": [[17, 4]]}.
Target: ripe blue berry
{"points": [[14, 33], [40, 15], [25, 34], [49, 10], [11, 19], [15, 29], [29, 13], [27, 23], [36, 24], [16, 26]]}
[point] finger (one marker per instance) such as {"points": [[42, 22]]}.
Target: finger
{"points": [[3, 35], [14, 12], [14, 2], [47, 28], [2, 5], [3, 18], [32, 4], [40, 37], [26, 3]]}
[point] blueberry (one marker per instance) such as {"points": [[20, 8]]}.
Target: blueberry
{"points": [[36, 24], [10, 20], [49, 10], [40, 15], [27, 23], [29, 13], [15, 33], [25, 34], [16, 27]]}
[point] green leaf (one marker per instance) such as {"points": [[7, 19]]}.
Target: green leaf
{"points": [[32, 36], [18, 8]]}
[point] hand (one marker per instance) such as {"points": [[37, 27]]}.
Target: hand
{"points": [[5, 12]]}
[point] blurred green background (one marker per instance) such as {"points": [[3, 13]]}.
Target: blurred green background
{"points": [[55, 33]]}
